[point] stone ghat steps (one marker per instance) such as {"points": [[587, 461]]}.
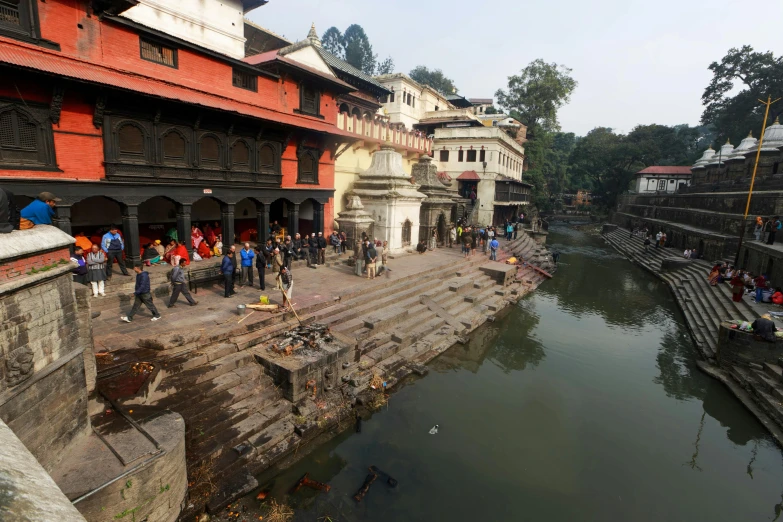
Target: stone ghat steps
{"points": [[765, 385]]}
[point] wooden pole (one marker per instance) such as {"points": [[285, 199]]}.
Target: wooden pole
{"points": [[768, 103]]}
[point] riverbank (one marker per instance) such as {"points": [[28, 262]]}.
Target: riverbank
{"points": [[704, 307], [248, 402]]}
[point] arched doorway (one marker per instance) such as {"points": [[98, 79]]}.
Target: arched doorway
{"points": [[278, 213], [406, 232], [246, 222], [307, 217], [94, 215], [442, 230], [157, 220]]}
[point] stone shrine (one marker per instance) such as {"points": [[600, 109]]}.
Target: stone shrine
{"points": [[436, 210], [391, 199], [355, 220]]}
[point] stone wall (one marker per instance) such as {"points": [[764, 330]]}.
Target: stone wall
{"points": [[736, 347], [760, 258]]}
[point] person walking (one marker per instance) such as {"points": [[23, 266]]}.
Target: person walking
{"points": [[142, 294], [261, 267], [227, 269], [285, 282], [96, 271], [179, 286], [321, 249], [246, 260], [114, 246], [372, 257], [493, 249]]}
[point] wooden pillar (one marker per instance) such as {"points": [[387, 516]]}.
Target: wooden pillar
{"points": [[293, 219], [262, 222], [130, 229], [183, 227], [227, 217]]}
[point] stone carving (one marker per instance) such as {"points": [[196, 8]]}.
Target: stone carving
{"points": [[100, 108], [56, 107], [19, 366]]}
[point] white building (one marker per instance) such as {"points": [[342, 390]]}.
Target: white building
{"points": [[212, 24], [487, 159], [662, 179], [410, 101]]}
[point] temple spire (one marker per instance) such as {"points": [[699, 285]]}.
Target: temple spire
{"points": [[313, 36]]}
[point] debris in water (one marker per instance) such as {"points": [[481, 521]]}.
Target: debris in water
{"points": [[313, 484], [434, 430], [389, 480], [372, 477], [262, 495]]}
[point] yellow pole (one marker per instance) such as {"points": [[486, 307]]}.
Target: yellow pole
{"points": [[758, 151], [768, 103]]}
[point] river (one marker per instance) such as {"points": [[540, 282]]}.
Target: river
{"points": [[582, 403]]}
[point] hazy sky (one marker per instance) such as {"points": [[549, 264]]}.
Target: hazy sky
{"points": [[636, 61]]}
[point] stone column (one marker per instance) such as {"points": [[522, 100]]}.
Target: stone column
{"points": [[63, 220], [130, 231], [183, 227], [293, 219], [318, 217], [262, 222], [227, 217]]}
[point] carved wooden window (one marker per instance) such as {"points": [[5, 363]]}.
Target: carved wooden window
{"points": [[157, 52], [240, 156], [308, 166], [24, 141], [130, 143], [444, 155], [310, 100], [210, 152], [174, 149], [266, 157], [17, 18], [244, 80]]}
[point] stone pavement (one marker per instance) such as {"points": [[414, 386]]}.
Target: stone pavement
{"points": [[313, 287]]}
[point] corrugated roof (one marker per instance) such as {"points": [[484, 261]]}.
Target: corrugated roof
{"points": [[469, 175], [658, 169], [347, 68], [36, 58], [481, 101], [273, 57]]}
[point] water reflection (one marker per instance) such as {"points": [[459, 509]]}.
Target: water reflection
{"points": [[520, 348]]}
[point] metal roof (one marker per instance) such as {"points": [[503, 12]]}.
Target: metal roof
{"points": [[658, 169], [469, 175], [346, 68]]}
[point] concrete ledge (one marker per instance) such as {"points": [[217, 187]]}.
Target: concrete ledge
{"points": [[500, 273], [608, 227], [674, 263], [37, 240]]}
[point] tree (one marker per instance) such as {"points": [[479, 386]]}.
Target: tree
{"points": [[332, 41], [756, 75], [385, 67], [491, 110], [537, 93], [358, 51], [433, 78]]}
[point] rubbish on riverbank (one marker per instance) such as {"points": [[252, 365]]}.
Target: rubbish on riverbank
{"points": [[263, 307], [434, 430], [262, 495], [372, 477], [278, 512], [389, 480], [312, 484]]}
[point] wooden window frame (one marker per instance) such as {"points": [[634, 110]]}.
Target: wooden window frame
{"points": [[461, 156], [470, 153], [301, 110], [315, 155], [39, 116], [482, 155], [245, 77], [443, 153], [153, 41]]}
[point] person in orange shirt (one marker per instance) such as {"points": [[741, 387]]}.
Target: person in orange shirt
{"points": [[83, 242]]}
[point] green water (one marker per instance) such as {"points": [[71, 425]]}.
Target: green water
{"points": [[582, 403]]}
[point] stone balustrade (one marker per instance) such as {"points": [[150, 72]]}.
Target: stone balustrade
{"points": [[384, 132]]}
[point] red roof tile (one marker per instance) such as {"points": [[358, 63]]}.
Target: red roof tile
{"points": [[444, 176], [32, 57], [656, 169], [469, 175]]}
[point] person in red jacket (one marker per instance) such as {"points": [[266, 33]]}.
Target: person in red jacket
{"points": [[777, 297]]}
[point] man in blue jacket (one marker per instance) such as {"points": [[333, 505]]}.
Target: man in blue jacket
{"points": [[142, 294], [246, 263], [493, 249], [114, 246], [40, 211], [227, 269]]}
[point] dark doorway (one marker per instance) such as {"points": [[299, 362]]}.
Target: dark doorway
{"points": [[406, 233]]}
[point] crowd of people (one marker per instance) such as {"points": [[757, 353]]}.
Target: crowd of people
{"points": [[765, 230], [743, 283]]}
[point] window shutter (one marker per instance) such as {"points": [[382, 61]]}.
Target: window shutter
{"points": [[131, 140], [210, 150], [240, 154], [266, 156], [309, 100], [173, 146], [7, 130]]}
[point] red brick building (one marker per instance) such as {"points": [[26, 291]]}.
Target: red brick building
{"points": [[130, 124]]}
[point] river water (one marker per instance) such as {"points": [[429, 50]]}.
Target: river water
{"points": [[582, 403]]}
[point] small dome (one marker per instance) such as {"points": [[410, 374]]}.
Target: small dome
{"points": [[722, 155], [749, 144], [705, 158], [773, 137]]}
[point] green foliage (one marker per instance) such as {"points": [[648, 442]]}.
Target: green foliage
{"points": [[536, 94], [385, 67], [354, 47], [739, 80], [433, 78], [332, 41], [491, 110]]}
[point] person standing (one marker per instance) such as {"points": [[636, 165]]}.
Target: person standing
{"points": [[773, 230], [343, 242], [334, 239], [737, 287], [452, 236], [646, 243], [179, 286], [80, 272], [285, 282], [269, 252], [372, 257], [658, 239], [758, 228], [261, 267], [493, 249], [96, 270], [288, 252], [114, 246], [321, 249], [142, 294], [358, 257], [434, 240], [509, 231], [247, 256], [227, 269], [312, 244], [474, 239], [277, 261]]}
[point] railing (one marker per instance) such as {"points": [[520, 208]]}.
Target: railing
{"points": [[502, 195], [9, 13], [382, 132]]}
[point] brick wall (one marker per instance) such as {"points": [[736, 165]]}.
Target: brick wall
{"points": [[19, 268]]}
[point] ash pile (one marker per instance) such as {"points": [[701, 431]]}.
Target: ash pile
{"points": [[304, 340]]}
